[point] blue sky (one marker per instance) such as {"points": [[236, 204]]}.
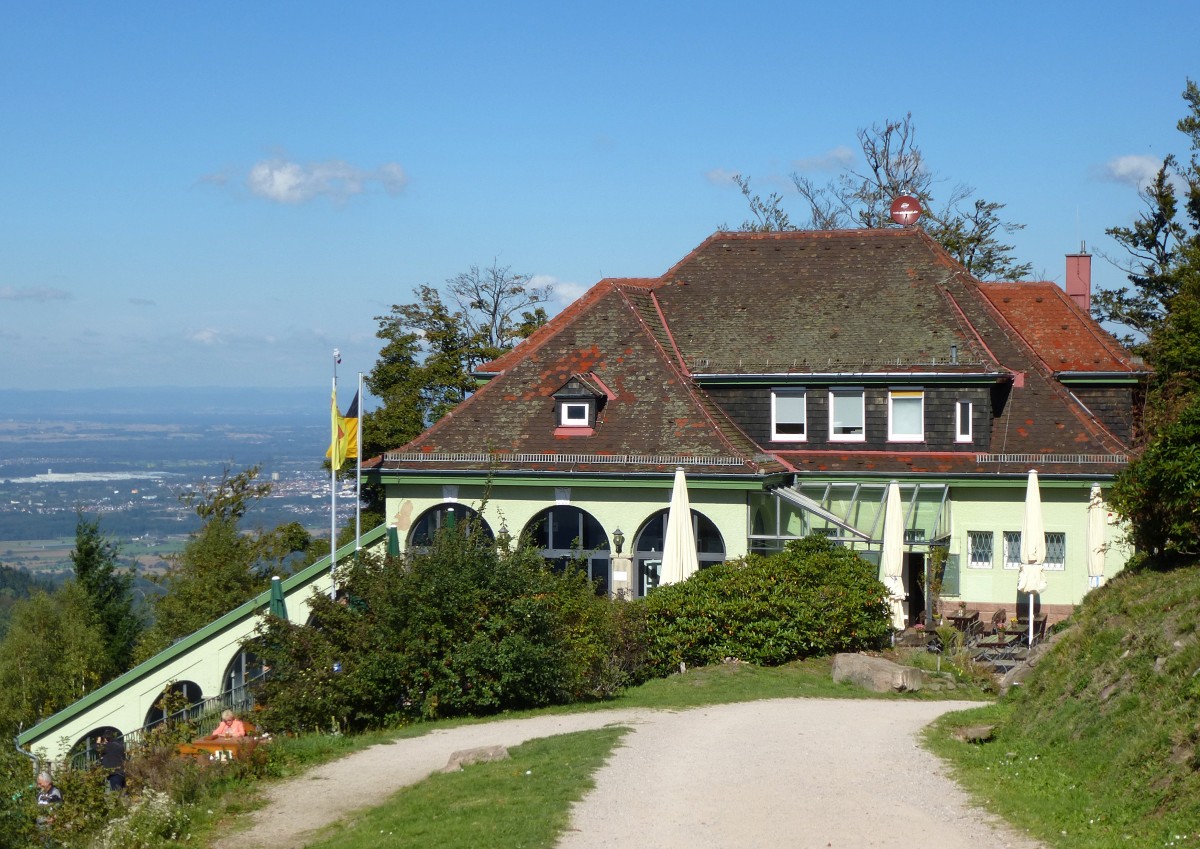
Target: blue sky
{"points": [[220, 194]]}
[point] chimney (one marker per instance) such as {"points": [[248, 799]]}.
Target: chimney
{"points": [[1079, 278]]}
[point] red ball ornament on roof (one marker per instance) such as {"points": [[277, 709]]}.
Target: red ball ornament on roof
{"points": [[906, 209]]}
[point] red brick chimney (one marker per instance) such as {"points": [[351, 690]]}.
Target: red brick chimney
{"points": [[1079, 278]]}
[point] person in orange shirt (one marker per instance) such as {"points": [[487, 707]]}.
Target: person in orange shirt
{"points": [[230, 726]]}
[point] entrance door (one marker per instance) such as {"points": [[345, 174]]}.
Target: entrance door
{"points": [[914, 580]]}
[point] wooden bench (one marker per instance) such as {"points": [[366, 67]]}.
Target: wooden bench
{"points": [[221, 748]]}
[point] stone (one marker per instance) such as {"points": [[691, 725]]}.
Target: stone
{"points": [[974, 733], [483, 754], [877, 674]]}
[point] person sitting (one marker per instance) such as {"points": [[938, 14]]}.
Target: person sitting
{"points": [[48, 798], [230, 726]]}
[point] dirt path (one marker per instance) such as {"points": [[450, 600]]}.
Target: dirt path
{"points": [[788, 772]]}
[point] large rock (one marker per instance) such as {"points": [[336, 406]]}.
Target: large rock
{"points": [[877, 674], [481, 755]]}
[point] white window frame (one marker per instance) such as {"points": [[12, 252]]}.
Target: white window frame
{"points": [[974, 562], [850, 393], [905, 395], [960, 407], [565, 419], [776, 434], [1012, 545], [1057, 546]]}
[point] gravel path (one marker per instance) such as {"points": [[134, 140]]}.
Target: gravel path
{"points": [[789, 772]]}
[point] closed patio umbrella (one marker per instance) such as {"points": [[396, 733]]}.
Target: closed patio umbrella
{"points": [[1031, 580], [679, 560], [891, 559], [278, 606], [1095, 536]]}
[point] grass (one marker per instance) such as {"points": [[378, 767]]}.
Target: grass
{"points": [[1100, 748], [521, 802]]}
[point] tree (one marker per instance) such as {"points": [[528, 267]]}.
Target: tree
{"points": [[1159, 492], [107, 591], [431, 348], [53, 654], [1159, 242], [895, 166], [221, 566]]}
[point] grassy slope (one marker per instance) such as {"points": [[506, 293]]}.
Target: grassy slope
{"points": [[1099, 748]]}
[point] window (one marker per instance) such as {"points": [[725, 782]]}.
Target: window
{"points": [[1056, 551], [906, 415], [979, 545], [1012, 549], [846, 418], [789, 414], [962, 427], [575, 414]]}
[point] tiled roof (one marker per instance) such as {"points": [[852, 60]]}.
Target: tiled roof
{"points": [[823, 301], [1064, 337], [835, 302], [654, 418]]}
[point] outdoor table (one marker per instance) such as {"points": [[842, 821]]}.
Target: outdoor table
{"points": [[966, 621], [996, 647]]}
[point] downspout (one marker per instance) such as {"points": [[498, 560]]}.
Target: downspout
{"points": [[37, 762]]}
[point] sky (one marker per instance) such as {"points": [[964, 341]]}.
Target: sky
{"points": [[220, 194]]}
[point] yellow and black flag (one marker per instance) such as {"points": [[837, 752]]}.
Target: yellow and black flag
{"points": [[343, 442]]}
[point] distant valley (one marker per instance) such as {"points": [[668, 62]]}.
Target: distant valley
{"points": [[125, 455]]}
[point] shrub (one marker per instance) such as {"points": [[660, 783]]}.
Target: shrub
{"points": [[457, 629], [152, 821], [813, 598]]}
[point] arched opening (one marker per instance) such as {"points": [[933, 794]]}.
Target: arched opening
{"points": [[445, 516], [89, 748], [241, 674], [568, 535], [181, 700], [648, 547]]}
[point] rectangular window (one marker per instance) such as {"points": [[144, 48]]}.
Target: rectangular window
{"points": [[979, 544], [906, 415], [574, 414], [1012, 549], [962, 428], [1056, 551], [846, 415], [789, 415]]}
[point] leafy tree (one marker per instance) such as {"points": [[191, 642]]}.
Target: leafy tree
{"points": [[15, 585], [53, 654], [108, 592], [222, 566], [1162, 243], [1160, 491], [970, 229], [433, 345]]}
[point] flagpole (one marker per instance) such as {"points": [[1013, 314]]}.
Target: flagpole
{"points": [[333, 488], [358, 473]]}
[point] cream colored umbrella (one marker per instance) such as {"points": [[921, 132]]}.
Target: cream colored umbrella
{"points": [[1031, 580], [679, 560], [891, 559], [1094, 537]]}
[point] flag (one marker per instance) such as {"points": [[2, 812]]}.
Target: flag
{"points": [[343, 441]]}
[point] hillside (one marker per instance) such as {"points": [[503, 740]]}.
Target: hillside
{"points": [[1101, 745]]}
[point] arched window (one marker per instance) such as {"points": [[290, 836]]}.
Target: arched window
{"points": [[182, 698], [648, 547], [88, 748], [244, 669], [568, 535], [445, 516]]}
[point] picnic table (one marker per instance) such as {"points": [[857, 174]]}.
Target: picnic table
{"points": [[221, 748]]}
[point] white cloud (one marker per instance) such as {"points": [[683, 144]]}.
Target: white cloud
{"points": [[720, 176], [833, 160], [1135, 170], [207, 336], [34, 293], [566, 294], [283, 181]]}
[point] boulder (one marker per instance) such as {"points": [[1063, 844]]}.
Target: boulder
{"points": [[877, 674], [466, 757]]}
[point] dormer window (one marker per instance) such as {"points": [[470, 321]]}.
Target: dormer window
{"points": [[578, 403], [575, 413]]}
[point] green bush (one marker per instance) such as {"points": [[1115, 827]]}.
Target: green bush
{"points": [[812, 599], [457, 629], [152, 821]]}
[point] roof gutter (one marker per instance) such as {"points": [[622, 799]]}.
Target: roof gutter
{"points": [[834, 377]]}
